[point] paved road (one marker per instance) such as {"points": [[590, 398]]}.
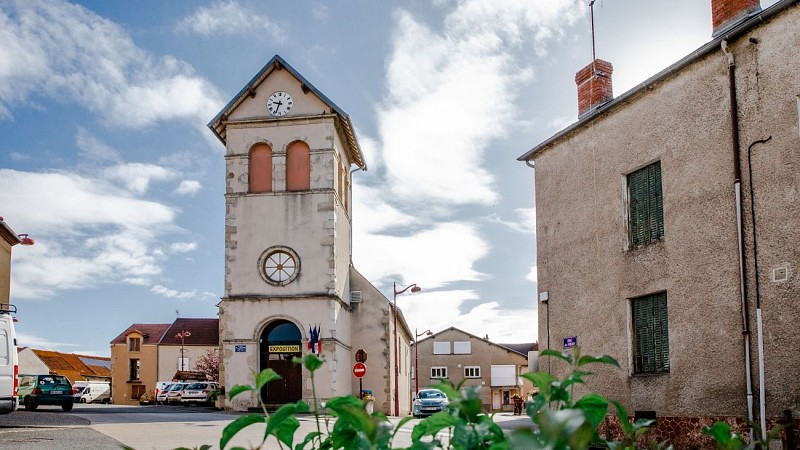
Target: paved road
{"points": [[151, 427]]}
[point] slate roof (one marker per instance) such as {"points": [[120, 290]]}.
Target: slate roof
{"points": [[522, 348], [204, 332], [75, 367], [152, 332]]}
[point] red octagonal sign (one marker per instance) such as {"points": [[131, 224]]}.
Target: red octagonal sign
{"points": [[359, 369]]}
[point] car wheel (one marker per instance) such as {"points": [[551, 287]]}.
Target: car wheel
{"points": [[66, 407], [83, 400], [30, 403]]}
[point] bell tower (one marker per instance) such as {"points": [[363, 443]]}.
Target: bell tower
{"points": [[288, 151]]}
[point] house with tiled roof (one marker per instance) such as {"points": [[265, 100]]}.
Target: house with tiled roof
{"points": [[145, 353], [74, 367], [461, 357]]}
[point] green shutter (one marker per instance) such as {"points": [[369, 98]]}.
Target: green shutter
{"points": [[646, 205], [651, 334]]}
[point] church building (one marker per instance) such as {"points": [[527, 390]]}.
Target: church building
{"points": [[290, 285]]}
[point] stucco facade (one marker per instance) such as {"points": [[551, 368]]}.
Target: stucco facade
{"points": [[489, 358], [8, 239], [126, 387], [590, 274], [306, 232]]}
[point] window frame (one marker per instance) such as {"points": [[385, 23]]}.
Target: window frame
{"points": [[134, 369], [138, 346], [475, 369], [442, 370], [644, 188], [650, 311]]}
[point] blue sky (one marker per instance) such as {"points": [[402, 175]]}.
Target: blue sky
{"points": [[106, 161]]}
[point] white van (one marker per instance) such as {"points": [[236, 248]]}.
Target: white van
{"points": [[92, 391], [9, 364]]}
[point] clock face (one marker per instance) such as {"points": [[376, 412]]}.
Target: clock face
{"points": [[279, 265], [279, 103]]}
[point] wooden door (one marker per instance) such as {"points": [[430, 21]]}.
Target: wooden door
{"points": [[286, 390]]}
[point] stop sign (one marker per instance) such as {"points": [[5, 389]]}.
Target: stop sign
{"points": [[359, 369]]}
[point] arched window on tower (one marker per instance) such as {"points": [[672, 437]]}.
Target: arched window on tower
{"points": [[260, 176], [298, 167]]}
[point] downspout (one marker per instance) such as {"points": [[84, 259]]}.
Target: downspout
{"points": [[737, 187]]}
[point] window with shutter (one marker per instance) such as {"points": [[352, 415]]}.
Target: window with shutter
{"points": [[645, 205], [650, 334]]}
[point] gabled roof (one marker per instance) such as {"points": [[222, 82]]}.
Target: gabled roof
{"points": [[8, 234], [203, 332], [218, 123], [521, 349], [75, 367], [151, 332]]}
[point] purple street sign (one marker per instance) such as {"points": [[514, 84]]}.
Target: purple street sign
{"points": [[570, 342]]}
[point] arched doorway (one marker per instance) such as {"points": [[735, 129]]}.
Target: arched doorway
{"points": [[279, 343]]}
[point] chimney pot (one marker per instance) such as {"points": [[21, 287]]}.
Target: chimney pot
{"points": [[594, 85], [726, 13]]}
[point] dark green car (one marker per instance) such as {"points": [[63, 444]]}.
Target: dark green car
{"points": [[35, 390]]}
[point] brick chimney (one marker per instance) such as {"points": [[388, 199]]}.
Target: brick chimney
{"points": [[726, 13], [594, 86]]}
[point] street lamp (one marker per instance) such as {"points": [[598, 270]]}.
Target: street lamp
{"points": [[182, 335], [416, 357], [414, 288]]}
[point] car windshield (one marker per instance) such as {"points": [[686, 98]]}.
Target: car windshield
{"points": [[197, 386], [177, 387], [431, 394], [80, 389], [166, 388]]}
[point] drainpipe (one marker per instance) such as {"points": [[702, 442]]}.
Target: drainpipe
{"points": [[759, 325], [737, 187]]}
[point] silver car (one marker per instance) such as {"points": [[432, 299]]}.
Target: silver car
{"points": [[175, 391], [199, 392]]}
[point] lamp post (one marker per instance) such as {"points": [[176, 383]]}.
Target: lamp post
{"points": [[182, 335], [416, 357], [414, 288]]}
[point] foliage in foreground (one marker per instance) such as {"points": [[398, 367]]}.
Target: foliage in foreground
{"points": [[559, 420]]}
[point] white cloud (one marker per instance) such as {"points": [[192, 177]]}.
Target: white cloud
{"points": [[320, 11], [60, 50], [93, 149], [28, 340], [137, 176], [442, 309], [172, 293], [230, 18], [183, 247], [533, 275], [456, 91], [87, 232], [188, 187]]}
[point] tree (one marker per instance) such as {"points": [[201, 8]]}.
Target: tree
{"points": [[208, 364]]}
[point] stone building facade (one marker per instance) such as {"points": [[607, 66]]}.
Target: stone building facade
{"points": [[289, 151], [667, 230]]}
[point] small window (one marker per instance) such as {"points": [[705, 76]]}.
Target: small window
{"points": [[260, 169], [134, 344], [441, 348], [650, 334], [4, 353], [134, 369], [137, 390], [472, 372], [438, 372], [645, 205], [462, 348], [183, 363]]}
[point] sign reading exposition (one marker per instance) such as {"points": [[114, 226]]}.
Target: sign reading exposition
{"points": [[284, 349]]}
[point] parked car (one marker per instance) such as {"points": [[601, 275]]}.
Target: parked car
{"points": [[35, 390], [161, 387], [175, 391], [161, 394], [429, 401], [198, 392], [91, 392]]}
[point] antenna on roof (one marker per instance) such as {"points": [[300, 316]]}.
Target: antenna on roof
{"points": [[591, 14]]}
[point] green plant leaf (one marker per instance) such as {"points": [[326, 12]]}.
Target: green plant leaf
{"points": [[448, 389], [309, 361], [433, 425], [542, 380], [236, 426], [605, 359], [265, 377], [566, 356], [622, 415], [238, 389], [400, 424], [309, 437], [282, 423], [594, 407]]}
